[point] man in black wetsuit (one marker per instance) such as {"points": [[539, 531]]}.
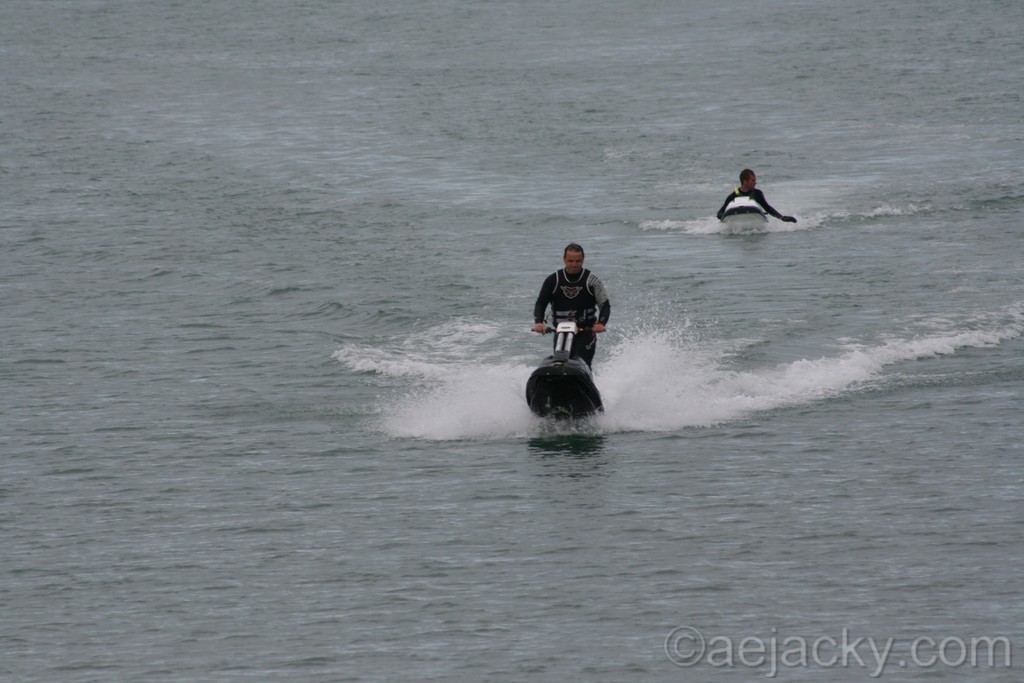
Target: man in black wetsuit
{"points": [[575, 294], [748, 180]]}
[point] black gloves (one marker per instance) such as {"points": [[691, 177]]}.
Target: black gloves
{"points": [[787, 219]]}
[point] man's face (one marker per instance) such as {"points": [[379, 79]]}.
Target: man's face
{"points": [[573, 262]]}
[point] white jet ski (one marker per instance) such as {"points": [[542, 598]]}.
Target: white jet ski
{"points": [[744, 213]]}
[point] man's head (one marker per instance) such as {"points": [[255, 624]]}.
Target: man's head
{"points": [[748, 179], [572, 257]]}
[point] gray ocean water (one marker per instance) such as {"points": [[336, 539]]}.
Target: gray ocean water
{"points": [[267, 283]]}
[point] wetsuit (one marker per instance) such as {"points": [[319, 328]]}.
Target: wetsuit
{"points": [[580, 298], [754, 194]]}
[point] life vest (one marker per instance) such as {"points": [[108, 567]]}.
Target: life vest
{"points": [[572, 299]]}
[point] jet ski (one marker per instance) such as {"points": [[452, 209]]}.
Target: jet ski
{"points": [[744, 212], [562, 386]]}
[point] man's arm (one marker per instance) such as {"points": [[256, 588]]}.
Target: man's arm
{"points": [[758, 197], [604, 305]]}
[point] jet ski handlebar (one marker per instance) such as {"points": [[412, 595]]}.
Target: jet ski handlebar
{"points": [[570, 328]]}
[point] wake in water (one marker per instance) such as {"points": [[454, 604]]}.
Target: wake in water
{"points": [[659, 380], [810, 221], [815, 204], [713, 226]]}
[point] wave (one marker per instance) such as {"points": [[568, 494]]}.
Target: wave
{"points": [[709, 225], [713, 226], [456, 385]]}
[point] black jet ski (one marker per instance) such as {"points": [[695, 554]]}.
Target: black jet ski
{"points": [[562, 386]]}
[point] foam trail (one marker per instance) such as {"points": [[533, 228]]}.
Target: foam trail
{"points": [[470, 403], [713, 226], [814, 204], [658, 381], [652, 385], [458, 384]]}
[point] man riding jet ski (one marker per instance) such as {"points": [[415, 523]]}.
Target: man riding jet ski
{"points": [[747, 203], [563, 385]]}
